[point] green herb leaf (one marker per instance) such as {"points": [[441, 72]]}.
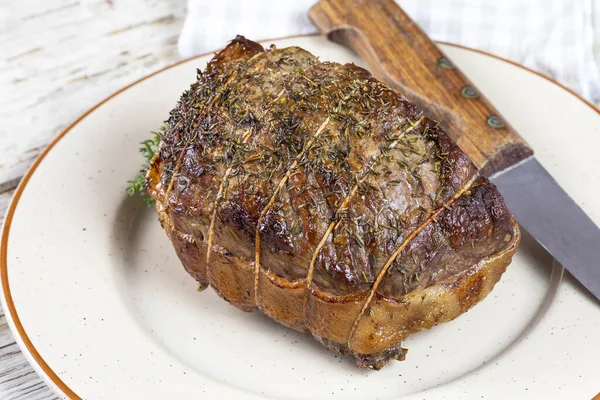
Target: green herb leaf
{"points": [[147, 150]]}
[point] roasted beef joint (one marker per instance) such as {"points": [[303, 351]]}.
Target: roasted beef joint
{"points": [[316, 194]]}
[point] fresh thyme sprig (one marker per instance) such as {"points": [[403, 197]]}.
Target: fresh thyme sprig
{"points": [[147, 150]]}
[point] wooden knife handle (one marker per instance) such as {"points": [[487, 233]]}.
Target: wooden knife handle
{"points": [[401, 54]]}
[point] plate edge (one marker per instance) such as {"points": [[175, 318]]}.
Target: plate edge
{"points": [[10, 310]]}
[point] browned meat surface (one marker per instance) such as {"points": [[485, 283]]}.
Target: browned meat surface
{"points": [[315, 193]]}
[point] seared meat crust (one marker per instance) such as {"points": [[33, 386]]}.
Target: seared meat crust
{"points": [[317, 194]]}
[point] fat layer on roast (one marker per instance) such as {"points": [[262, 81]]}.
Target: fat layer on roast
{"points": [[316, 193]]}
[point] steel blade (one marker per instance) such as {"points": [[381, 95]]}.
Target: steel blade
{"points": [[547, 212]]}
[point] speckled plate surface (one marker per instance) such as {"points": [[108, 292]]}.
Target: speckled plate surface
{"points": [[102, 307]]}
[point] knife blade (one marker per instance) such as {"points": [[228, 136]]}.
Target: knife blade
{"points": [[547, 212], [400, 53]]}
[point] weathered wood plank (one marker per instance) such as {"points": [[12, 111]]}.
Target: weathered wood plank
{"points": [[45, 84], [5, 198], [18, 380]]}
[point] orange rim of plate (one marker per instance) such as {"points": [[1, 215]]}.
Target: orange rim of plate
{"points": [[12, 311]]}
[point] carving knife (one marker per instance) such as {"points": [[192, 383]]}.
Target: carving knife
{"points": [[400, 53]]}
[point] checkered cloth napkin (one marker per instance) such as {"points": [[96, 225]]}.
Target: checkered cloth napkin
{"points": [[560, 38]]}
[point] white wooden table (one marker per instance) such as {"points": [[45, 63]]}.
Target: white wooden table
{"points": [[57, 59]]}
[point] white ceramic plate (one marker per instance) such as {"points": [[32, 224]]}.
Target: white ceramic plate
{"points": [[102, 307]]}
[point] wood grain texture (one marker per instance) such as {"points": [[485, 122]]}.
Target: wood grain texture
{"points": [[58, 59], [398, 52]]}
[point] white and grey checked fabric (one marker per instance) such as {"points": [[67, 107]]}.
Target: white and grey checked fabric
{"points": [[560, 38]]}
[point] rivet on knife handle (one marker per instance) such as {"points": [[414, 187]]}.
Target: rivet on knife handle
{"points": [[398, 52]]}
